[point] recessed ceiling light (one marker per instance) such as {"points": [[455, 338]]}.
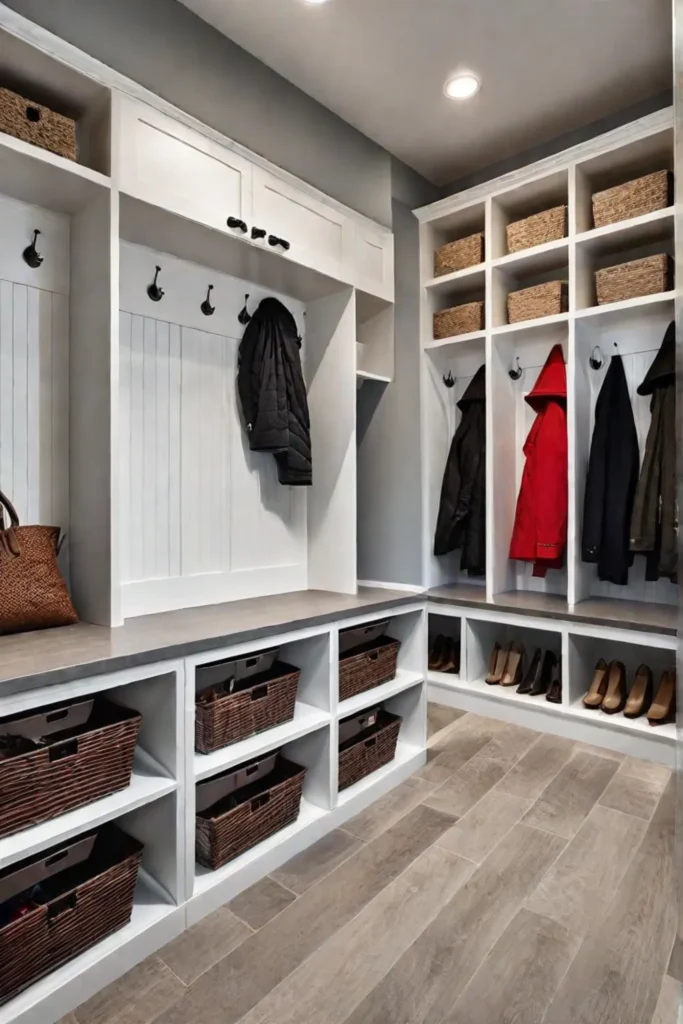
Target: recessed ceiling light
{"points": [[462, 86], [315, 1]]}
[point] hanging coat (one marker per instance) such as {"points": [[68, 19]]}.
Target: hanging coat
{"points": [[461, 522], [611, 483], [654, 525], [272, 392], [540, 531]]}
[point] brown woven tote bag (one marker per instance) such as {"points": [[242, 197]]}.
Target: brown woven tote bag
{"points": [[33, 594]]}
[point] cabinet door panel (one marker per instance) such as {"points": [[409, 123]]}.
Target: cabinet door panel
{"points": [[374, 262], [319, 236], [166, 163]]}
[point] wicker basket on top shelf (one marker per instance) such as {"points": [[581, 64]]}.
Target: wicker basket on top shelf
{"points": [[633, 199], [459, 320], [31, 122], [459, 255], [540, 228], [647, 276], [547, 299]]}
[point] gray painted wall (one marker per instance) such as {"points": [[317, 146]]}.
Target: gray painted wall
{"points": [[389, 461], [165, 47]]}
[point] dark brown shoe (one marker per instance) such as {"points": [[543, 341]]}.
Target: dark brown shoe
{"points": [[545, 677], [532, 673], [554, 694], [437, 653]]}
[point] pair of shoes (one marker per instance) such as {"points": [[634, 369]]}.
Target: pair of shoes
{"points": [[444, 655], [609, 693], [506, 664], [543, 677]]}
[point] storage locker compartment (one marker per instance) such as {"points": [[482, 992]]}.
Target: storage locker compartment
{"points": [[511, 419], [636, 340], [654, 238], [482, 636], [527, 272], [524, 201], [445, 652]]}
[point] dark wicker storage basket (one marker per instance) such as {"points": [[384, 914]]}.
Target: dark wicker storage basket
{"points": [[368, 666], [249, 815], [459, 320], [71, 768], [648, 276], [633, 198], [31, 122], [265, 700], [540, 300], [538, 229], [369, 750], [459, 255], [79, 903]]}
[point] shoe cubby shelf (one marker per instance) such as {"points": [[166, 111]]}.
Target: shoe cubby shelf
{"points": [[158, 807], [513, 354], [579, 646]]}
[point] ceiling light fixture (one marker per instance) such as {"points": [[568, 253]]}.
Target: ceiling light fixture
{"points": [[462, 86], [315, 2]]}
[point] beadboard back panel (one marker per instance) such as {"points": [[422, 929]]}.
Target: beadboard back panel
{"points": [[34, 365], [204, 518]]}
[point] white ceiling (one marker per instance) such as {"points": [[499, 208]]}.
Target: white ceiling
{"points": [[546, 66]]}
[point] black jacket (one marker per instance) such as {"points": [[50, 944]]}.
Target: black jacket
{"points": [[461, 522], [273, 393], [654, 526], [612, 477]]}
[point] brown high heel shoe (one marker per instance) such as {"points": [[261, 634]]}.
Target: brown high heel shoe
{"points": [[598, 688], [615, 696], [514, 666], [554, 694], [663, 707], [437, 653], [496, 664], [640, 697], [451, 661]]}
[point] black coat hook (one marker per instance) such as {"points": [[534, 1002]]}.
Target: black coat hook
{"points": [[155, 293], [516, 372], [449, 379], [258, 233], [206, 307], [596, 361], [244, 316], [31, 254]]}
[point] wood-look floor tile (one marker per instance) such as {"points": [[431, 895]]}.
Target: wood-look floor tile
{"points": [[136, 998], [308, 867], [439, 767], [635, 768], [234, 986], [633, 795], [590, 748], [580, 885], [520, 975], [669, 1008], [539, 766], [439, 716], [568, 799], [430, 976], [203, 945], [616, 976], [332, 982], [468, 736], [261, 902], [388, 809], [482, 828]]}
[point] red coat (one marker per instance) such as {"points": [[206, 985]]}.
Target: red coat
{"points": [[540, 531]]}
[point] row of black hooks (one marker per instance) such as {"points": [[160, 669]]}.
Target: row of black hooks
{"points": [[156, 294], [596, 362]]}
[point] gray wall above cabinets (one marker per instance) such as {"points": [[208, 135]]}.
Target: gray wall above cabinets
{"points": [[389, 463], [165, 47]]}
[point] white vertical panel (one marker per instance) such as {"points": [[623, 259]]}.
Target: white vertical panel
{"points": [[6, 388], [20, 402], [149, 463], [49, 400], [162, 466], [190, 440], [33, 409], [61, 362], [136, 481], [125, 439], [174, 450]]}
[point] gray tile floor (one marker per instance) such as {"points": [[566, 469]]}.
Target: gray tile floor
{"points": [[516, 879]]}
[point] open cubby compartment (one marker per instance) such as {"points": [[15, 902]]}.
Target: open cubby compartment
{"points": [[374, 338], [205, 518], [35, 75], [509, 420], [455, 290], [441, 416], [211, 889], [450, 626], [521, 201], [620, 164], [482, 634], [630, 240], [634, 735], [523, 270], [636, 335], [449, 228]]}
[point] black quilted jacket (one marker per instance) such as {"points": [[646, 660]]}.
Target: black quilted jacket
{"points": [[273, 393]]}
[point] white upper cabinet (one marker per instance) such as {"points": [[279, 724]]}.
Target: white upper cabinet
{"points": [[319, 236], [163, 162], [373, 261]]}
